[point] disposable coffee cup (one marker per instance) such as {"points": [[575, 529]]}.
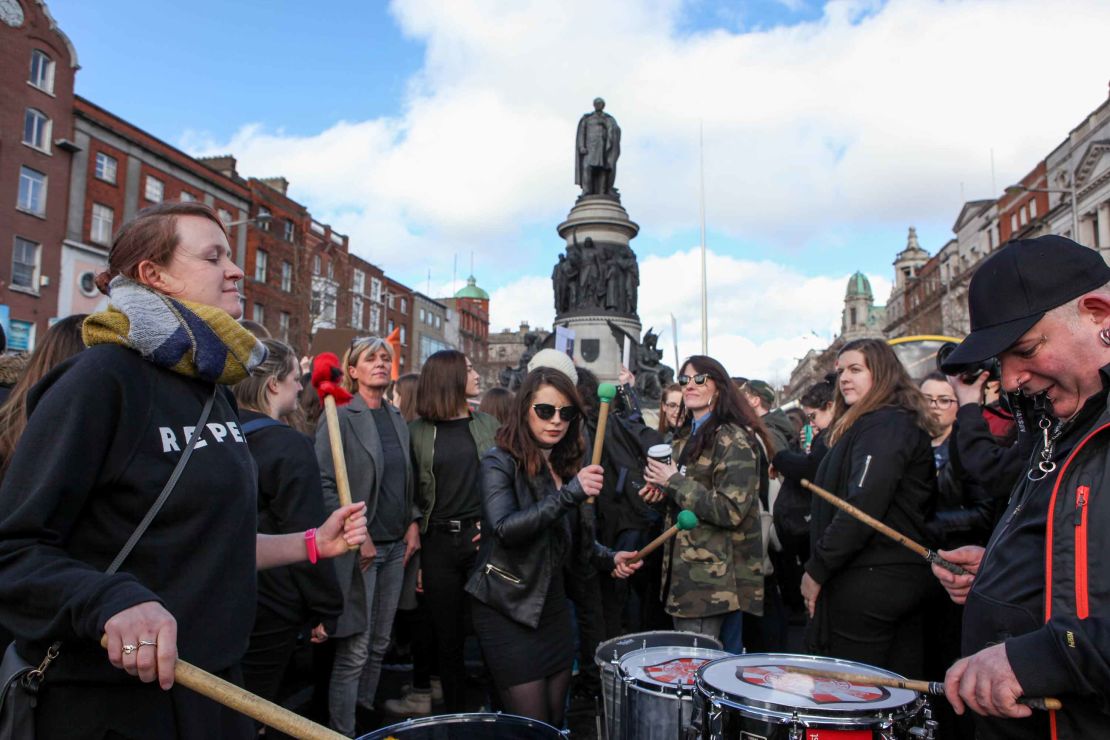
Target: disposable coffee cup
{"points": [[662, 453]]}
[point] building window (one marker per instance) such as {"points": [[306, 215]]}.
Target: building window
{"points": [[283, 326], [32, 191], [404, 306], [264, 218], [287, 277], [260, 260], [42, 72], [22, 338], [439, 322], [187, 197], [106, 167], [423, 316], [316, 264], [259, 313], [103, 219], [224, 214], [375, 290], [290, 231], [331, 270], [1032, 209], [36, 130], [402, 335], [389, 327], [358, 281], [356, 312], [375, 318], [25, 264], [155, 189]]}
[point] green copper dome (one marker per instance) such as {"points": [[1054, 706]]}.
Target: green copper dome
{"points": [[473, 291], [859, 285]]}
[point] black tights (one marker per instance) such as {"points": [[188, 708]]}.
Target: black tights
{"points": [[544, 699]]}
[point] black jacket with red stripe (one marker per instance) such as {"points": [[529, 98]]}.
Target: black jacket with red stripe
{"points": [[1044, 586]]}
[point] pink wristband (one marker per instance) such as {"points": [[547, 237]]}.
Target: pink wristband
{"points": [[310, 545]]}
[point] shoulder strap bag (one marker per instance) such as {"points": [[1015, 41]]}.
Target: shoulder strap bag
{"points": [[19, 680]]}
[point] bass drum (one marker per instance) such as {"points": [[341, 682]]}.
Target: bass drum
{"points": [[484, 726], [757, 697], [608, 657], [657, 687]]}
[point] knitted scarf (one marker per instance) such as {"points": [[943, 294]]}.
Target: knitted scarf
{"points": [[189, 338]]}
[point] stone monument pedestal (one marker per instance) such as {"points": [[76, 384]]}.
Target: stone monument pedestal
{"points": [[603, 221]]}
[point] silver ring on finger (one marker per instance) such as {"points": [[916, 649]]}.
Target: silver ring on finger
{"points": [[144, 643], [128, 649]]}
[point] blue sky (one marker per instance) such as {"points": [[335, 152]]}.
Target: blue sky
{"points": [[427, 130]]}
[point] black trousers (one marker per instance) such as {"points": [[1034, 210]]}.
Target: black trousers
{"points": [[272, 643], [585, 592], [874, 615], [447, 558]]}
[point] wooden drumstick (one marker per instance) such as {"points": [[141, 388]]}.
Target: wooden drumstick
{"points": [[606, 392], [338, 461], [881, 528], [686, 520], [244, 702], [935, 688]]}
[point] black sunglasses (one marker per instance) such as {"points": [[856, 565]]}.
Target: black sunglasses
{"points": [[546, 411], [698, 379]]}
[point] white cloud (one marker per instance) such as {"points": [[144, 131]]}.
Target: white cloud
{"points": [[763, 316], [876, 114]]}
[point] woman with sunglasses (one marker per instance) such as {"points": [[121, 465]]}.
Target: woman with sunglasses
{"points": [[717, 472], [865, 592], [670, 411], [531, 481], [376, 449]]}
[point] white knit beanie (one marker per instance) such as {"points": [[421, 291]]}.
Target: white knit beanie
{"points": [[555, 360]]}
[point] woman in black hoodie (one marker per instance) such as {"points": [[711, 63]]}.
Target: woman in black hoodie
{"points": [[864, 591], [290, 499]]}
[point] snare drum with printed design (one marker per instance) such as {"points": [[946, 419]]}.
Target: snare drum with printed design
{"points": [[657, 690], [757, 697]]}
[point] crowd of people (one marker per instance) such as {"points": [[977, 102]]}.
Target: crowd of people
{"points": [[477, 512]]}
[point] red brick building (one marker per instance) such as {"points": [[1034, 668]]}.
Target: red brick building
{"points": [[399, 308], [37, 68], [120, 170], [469, 331], [367, 291], [1021, 214]]}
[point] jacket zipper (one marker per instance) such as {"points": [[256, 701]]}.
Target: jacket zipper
{"points": [[491, 568], [1081, 499], [866, 467]]}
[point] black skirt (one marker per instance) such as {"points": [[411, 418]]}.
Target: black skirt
{"points": [[515, 653]]}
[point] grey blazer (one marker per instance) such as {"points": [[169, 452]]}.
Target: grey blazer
{"points": [[362, 451]]}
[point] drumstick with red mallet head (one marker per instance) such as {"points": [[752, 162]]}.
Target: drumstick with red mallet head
{"points": [[606, 392], [325, 379], [929, 555], [686, 520], [935, 688]]}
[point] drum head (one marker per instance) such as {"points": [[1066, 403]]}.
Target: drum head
{"points": [[764, 681], [666, 669], [621, 646], [463, 726]]}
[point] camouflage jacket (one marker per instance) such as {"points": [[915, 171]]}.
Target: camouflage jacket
{"points": [[717, 567]]}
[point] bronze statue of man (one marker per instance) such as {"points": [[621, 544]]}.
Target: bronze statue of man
{"points": [[597, 148]]}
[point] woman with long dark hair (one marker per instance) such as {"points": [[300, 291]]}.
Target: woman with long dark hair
{"points": [[717, 471], [864, 591], [531, 480], [105, 432], [448, 441]]}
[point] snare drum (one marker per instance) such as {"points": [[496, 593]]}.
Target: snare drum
{"points": [[755, 697], [608, 657], [462, 726], [657, 690]]}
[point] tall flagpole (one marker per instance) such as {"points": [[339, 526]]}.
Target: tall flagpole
{"points": [[674, 336], [704, 298]]}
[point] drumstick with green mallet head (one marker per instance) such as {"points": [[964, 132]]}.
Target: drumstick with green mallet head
{"points": [[606, 392], [935, 688], [686, 520]]}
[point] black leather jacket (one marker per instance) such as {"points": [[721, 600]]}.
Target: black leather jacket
{"points": [[525, 536]]}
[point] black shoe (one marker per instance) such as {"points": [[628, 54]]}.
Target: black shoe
{"points": [[366, 720]]}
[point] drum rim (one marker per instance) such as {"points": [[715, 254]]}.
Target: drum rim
{"points": [[756, 708], [666, 689], [603, 660], [464, 718]]}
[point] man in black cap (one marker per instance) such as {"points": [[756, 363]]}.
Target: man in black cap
{"points": [[1037, 615]]}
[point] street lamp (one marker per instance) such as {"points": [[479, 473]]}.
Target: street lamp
{"points": [[1018, 189], [262, 219]]}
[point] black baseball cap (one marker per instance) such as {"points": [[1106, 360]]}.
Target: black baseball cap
{"points": [[1016, 286]]}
